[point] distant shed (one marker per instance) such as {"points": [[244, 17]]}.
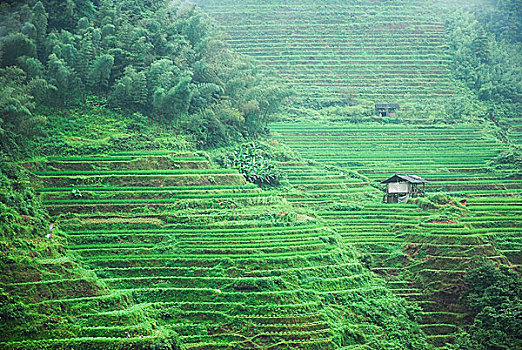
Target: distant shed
{"points": [[402, 187], [386, 109]]}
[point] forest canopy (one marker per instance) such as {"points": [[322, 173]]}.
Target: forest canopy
{"points": [[158, 59], [485, 44]]}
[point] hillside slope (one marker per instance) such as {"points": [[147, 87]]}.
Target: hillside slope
{"points": [[423, 249], [48, 299], [328, 50], [213, 259]]}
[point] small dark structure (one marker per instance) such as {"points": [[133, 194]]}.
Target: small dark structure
{"points": [[386, 109], [399, 188]]}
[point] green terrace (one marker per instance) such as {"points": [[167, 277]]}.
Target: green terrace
{"points": [[219, 261], [327, 48], [135, 172], [233, 175], [404, 242]]}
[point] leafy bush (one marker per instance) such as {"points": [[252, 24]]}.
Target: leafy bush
{"points": [[435, 201], [345, 207], [511, 159], [20, 210], [208, 131], [494, 298], [254, 165], [442, 199], [424, 203]]}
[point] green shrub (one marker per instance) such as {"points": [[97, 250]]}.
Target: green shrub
{"points": [[424, 203], [511, 159], [253, 164], [436, 201], [494, 298], [442, 199]]}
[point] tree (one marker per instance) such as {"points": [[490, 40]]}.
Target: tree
{"points": [[29, 29], [141, 47], [162, 74], [174, 102], [16, 45], [63, 77], [130, 91], [205, 95], [149, 57], [494, 298], [64, 14], [31, 66], [39, 20], [17, 121], [15, 103], [86, 52], [488, 66], [480, 46], [100, 72], [179, 96]]}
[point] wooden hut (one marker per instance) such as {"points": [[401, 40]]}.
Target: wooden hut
{"points": [[386, 109], [399, 188]]}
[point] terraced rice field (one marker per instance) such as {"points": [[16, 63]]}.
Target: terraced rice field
{"points": [[329, 49], [515, 132], [423, 256], [220, 262]]}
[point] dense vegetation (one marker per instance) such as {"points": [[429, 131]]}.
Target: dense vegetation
{"points": [[191, 252], [487, 56], [161, 60], [148, 200], [254, 164], [493, 297]]}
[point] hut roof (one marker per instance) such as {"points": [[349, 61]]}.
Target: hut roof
{"points": [[386, 105], [414, 179]]}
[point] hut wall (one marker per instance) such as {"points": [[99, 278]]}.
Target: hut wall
{"points": [[399, 187]]}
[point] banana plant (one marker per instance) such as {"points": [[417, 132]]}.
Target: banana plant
{"points": [[254, 165]]}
